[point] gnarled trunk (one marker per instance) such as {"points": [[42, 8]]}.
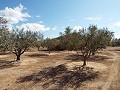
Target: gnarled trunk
{"points": [[38, 48], [18, 53], [85, 57], [18, 57], [84, 62], [93, 53], [49, 49]]}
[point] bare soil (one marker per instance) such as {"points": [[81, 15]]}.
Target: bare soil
{"points": [[64, 70]]}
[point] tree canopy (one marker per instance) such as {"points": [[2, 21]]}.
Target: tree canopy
{"points": [[21, 40], [88, 41]]}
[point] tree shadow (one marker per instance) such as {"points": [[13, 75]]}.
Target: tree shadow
{"points": [[76, 57], [61, 77], [37, 55], [98, 58], [7, 64], [4, 53]]}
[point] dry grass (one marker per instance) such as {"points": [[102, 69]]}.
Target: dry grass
{"points": [[61, 77], [59, 70]]}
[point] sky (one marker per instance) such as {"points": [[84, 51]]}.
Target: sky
{"points": [[52, 16]]}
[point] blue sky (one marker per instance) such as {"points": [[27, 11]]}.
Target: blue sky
{"points": [[53, 16]]}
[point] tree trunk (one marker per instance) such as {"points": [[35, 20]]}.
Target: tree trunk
{"points": [[49, 51], [38, 48], [93, 53], [84, 62], [18, 57]]}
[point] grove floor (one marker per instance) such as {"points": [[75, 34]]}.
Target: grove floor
{"points": [[31, 62]]}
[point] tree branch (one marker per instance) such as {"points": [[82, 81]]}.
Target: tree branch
{"points": [[23, 50]]}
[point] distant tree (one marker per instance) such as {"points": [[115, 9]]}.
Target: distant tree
{"points": [[75, 41], [116, 42], [39, 41], [21, 40], [3, 22], [50, 43], [4, 34], [70, 39], [66, 37]]}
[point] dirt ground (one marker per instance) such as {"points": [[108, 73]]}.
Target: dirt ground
{"points": [[106, 62]]}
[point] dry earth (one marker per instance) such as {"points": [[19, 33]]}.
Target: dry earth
{"points": [[33, 62]]}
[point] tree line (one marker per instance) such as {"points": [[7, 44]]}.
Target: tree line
{"points": [[86, 41]]}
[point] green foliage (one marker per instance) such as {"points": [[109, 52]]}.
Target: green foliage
{"points": [[70, 40], [116, 42], [4, 35], [50, 43], [66, 37], [21, 40], [39, 41], [88, 41], [94, 39]]}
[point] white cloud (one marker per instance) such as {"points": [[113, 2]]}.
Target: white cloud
{"points": [[72, 20], [77, 28], [15, 15], [94, 18], [117, 24], [34, 27], [41, 22], [54, 28], [37, 16]]}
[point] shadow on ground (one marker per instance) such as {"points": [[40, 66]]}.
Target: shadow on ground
{"points": [[7, 64], [37, 55], [3, 53], [60, 77], [76, 57]]}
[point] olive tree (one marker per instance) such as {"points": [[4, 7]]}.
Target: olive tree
{"points": [[50, 43], [103, 38], [93, 40], [70, 39], [40, 39], [4, 34], [21, 40], [88, 40], [66, 37], [116, 42]]}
